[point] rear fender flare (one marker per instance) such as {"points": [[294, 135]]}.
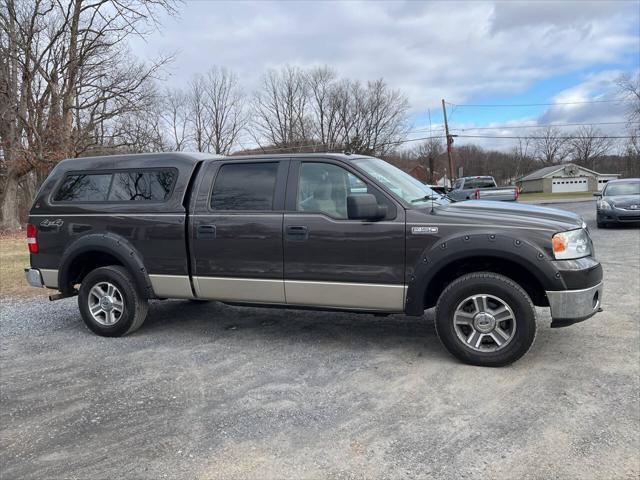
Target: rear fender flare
{"points": [[111, 244]]}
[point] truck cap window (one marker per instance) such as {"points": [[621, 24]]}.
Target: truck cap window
{"points": [[245, 186], [124, 186], [84, 188], [136, 186]]}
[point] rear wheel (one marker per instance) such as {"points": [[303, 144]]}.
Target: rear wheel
{"points": [[110, 303], [485, 319]]}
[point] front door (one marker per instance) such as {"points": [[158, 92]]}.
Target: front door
{"points": [[236, 231], [331, 261]]}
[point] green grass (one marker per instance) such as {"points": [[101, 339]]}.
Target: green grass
{"points": [[14, 258], [555, 196]]}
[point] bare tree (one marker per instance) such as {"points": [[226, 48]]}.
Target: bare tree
{"points": [[175, 116], [550, 146], [323, 106], [280, 109], [196, 100], [629, 86], [65, 76], [522, 156], [225, 106], [427, 152], [385, 117], [588, 144]]}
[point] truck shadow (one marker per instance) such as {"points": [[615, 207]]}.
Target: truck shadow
{"points": [[287, 325]]}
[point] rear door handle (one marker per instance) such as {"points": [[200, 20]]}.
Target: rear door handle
{"points": [[297, 233], [206, 232]]}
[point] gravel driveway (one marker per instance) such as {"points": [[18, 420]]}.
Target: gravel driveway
{"points": [[212, 391]]}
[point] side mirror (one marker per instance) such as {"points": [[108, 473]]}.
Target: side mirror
{"points": [[364, 206], [597, 194]]}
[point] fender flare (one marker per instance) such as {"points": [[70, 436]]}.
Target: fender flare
{"points": [[111, 244], [481, 245]]}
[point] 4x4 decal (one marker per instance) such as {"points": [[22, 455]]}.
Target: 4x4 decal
{"points": [[51, 223]]}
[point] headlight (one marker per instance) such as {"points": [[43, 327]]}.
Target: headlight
{"points": [[571, 244], [604, 205]]}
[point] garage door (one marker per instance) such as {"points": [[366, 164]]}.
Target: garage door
{"points": [[576, 184]]}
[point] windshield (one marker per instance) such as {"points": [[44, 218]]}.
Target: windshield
{"points": [[410, 189], [630, 188]]}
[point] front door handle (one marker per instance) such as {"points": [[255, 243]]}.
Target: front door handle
{"points": [[206, 232], [297, 233]]}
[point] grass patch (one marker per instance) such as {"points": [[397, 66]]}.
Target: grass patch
{"points": [[14, 258], [555, 196]]}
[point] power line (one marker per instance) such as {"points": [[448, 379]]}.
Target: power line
{"points": [[569, 137], [509, 127], [497, 105], [341, 148]]}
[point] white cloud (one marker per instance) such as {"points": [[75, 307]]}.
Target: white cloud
{"points": [[429, 50]]}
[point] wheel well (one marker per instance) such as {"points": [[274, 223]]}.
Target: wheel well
{"points": [[86, 262], [509, 269]]}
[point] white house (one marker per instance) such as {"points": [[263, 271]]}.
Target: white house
{"points": [[567, 177]]}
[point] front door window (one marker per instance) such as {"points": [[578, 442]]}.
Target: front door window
{"points": [[324, 188]]}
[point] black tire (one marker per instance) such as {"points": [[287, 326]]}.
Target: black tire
{"points": [[601, 225], [134, 306], [495, 286]]}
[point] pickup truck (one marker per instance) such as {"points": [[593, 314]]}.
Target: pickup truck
{"points": [[310, 231], [482, 188]]}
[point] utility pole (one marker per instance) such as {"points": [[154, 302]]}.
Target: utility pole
{"points": [[449, 142], [430, 153]]}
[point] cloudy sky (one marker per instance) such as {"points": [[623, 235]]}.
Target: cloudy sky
{"points": [[477, 52]]}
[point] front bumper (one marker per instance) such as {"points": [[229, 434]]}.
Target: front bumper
{"points": [[572, 306], [34, 277], [618, 215]]}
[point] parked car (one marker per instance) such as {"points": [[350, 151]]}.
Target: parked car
{"points": [[618, 203], [314, 231], [482, 188], [442, 190]]}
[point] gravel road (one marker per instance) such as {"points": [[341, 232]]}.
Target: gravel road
{"points": [[205, 390]]}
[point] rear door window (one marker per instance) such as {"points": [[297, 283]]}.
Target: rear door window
{"points": [[142, 185], [245, 187], [84, 188]]}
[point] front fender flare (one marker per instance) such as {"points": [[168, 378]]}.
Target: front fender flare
{"points": [[111, 244], [484, 245]]}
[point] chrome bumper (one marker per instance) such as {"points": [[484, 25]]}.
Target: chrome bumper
{"points": [[34, 278], [570, 306]]}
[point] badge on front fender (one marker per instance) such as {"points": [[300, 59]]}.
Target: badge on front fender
{"points": [[423, 230]]}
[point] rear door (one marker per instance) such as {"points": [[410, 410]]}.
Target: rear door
{"points": [[331, 261], [236, 231]]}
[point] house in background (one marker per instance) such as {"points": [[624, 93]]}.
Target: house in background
{"points": [[567, 177], [420, 173]]}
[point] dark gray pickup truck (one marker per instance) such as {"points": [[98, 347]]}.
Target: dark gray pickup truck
{"points": [[313, 231]]}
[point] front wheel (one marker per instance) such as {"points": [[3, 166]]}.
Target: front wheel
{"points": [[110, 303], [485, 319]]}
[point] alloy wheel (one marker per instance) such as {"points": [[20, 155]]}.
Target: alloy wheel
{"points": [[106, 303], [484, 323]]}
